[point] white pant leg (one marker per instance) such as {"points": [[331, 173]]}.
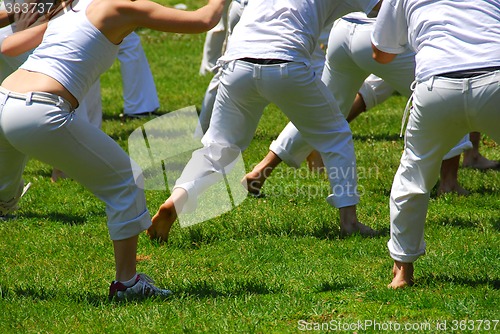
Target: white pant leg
{"points": [[139, 89], [374, 91], [90, 107], [444, 110], [294, 88], [53, 135], [341, 75], [244, 91]]}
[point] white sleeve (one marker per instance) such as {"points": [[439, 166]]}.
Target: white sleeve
{"points": [[390, 33]]}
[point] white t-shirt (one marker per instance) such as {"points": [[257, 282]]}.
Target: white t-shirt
{"points": [[448, 35], [286, 29]]}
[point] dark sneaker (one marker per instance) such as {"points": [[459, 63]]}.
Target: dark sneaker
{"points": [[143, 288]]}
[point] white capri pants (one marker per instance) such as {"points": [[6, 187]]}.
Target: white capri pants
{"points": [[443, 111], [348, 63], [139, 89], [245, 90], [49, 132]]}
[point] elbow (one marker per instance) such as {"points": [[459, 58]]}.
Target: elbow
{"points": [[8, 51], [382, 57]]}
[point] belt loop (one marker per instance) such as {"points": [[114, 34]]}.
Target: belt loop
{"points": [[29, 97], [3, 98], [284, 70], [256, 71], [465, 85], [430, 83]]}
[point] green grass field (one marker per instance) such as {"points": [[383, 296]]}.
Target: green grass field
{"points": [[273, 265]]}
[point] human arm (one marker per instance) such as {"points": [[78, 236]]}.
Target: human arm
{"points": [[116, 19], [381, 56], [23, 41], [389, 36]]}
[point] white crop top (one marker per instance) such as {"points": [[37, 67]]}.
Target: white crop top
{"points": [[73, 51]]}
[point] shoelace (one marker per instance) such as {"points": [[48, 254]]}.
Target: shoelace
{"points": [[148, 284]]}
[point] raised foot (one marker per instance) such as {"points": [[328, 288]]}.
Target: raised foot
{"points": [[357, 228], [162, 222]]}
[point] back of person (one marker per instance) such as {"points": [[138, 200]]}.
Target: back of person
{"points": [[288, 29], [443, 48]]}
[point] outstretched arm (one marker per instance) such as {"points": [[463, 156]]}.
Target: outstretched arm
{"points": [[23, 41], [117, 18]]}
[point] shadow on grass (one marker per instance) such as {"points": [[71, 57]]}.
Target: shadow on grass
{"points": [[431, 279], [41, 293], [204, 289], [332, 286], [376, 137], [63, 218]]}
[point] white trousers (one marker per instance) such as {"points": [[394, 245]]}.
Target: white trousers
{"points": [[348, 63], [443, 111], [139, 89], [49, 132], [245, 90]]}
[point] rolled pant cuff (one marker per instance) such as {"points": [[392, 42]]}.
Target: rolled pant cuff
{"points": [[344, 201], [284, 155], [405, 258], [130, 228]]}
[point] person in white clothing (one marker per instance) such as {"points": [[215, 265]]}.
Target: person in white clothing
{"points": [[90, 107], [77, 44], [457, 91], [268, 59], [348, 64]]}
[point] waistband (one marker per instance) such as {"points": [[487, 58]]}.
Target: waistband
{"points": [[469, 73], [41, 97], [264, 61]]}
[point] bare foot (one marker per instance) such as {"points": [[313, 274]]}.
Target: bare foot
{"points": [[455, 188], [479, 162], [347, 229], [403, 275], [162, 222], [57, 174], [315, 162]]}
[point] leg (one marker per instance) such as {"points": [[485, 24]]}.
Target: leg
{"points": [[236, 113], [139, 90], [324, 128], [449, 177], [474, 159], [435, 124], [259, 174], [88, 156]]}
